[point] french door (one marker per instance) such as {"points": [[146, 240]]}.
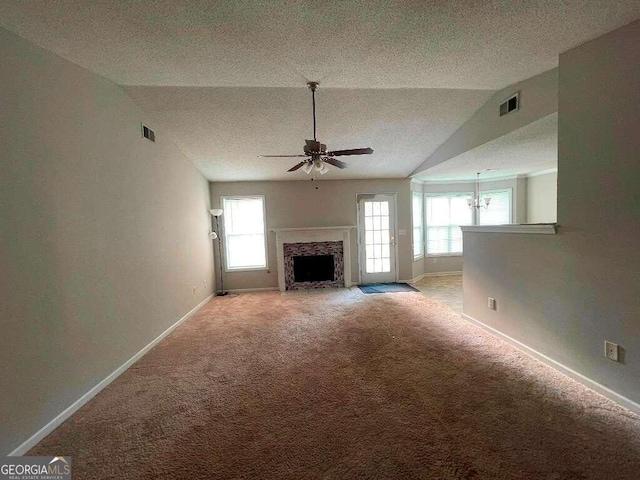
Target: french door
{"points": [[376, 238]]}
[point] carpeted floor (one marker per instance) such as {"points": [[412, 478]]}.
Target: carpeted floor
{"points": [[348, 386]]}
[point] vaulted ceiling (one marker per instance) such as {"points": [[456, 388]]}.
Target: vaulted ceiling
{"points": [[224, 129], [532, 148], [226, 79]]}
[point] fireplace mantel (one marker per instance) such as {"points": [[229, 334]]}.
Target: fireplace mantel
{"points": [[313, 234], [305, 229]]}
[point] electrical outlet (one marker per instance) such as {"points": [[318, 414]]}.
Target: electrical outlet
{"points": [[204, 283], [195, 290], [611, 350], [492, 304]]}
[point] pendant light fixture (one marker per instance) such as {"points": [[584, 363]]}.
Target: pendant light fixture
{"points": [[475, 201]]}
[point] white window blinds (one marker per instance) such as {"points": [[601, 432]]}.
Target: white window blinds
{"points": [[244, 231], [445, 214], [418, 235], [499, 211]]}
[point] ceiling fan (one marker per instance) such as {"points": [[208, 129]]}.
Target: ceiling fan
{"points": [[316, 152]]}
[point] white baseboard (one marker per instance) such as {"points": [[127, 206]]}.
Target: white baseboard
{"points": [[75, 406], [430, 274], [249, 290], [586, 381]]}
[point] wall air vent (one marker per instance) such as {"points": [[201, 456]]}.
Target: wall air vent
{"points": [[148, 133], [510, 104]]}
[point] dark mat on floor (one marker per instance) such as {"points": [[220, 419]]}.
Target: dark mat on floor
{"points": [[387, 288]]}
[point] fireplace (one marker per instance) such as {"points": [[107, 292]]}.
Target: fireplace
{"points": [[313, 265], [313, 249], [313, 268]]}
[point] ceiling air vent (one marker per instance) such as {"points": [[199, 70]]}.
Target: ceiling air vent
{"points": [[148, 133], [510, 104]]}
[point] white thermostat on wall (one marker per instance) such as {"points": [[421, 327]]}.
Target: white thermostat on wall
{"points": [[402, 232]]}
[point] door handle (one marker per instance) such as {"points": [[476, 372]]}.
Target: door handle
{"points": [[393, 240]]}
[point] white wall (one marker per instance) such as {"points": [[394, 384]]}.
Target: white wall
{"points": [[300, 204], [102, 235], [564, 295], [542, 198]]}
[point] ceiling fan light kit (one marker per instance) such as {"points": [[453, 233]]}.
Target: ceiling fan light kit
{"points": [[316, 152]]}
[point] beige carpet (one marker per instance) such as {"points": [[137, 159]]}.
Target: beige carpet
{"points": [[446, 289], [349, 386]]}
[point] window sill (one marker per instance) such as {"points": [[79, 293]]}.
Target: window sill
{"points": [[533, 228], [246, 269], [415, 259], [436, 255]]}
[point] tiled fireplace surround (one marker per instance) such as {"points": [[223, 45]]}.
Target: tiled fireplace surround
{"points": [[334, 241], [311, 249]]}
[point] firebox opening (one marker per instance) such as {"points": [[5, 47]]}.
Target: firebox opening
{"points": [[313, 268]]}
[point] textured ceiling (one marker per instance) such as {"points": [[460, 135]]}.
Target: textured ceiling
{"points": [[397, 76], [224, 129], [479, 44], [530, 149]]}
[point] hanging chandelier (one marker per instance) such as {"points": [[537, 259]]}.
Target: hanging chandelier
{"points": [[475, 201]]}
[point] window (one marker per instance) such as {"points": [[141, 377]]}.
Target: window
{"points": [[418, 236], [499, 211], [244, 232], [445, 214]]}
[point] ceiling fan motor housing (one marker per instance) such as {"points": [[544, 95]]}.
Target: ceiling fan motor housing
{"points": [[314, 147]]}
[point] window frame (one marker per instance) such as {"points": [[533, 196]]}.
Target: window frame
{"points": [[426, 227], [264, 233], [423, 243]]}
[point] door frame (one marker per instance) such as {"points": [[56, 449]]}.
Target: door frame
{"points": [[360, 230]]}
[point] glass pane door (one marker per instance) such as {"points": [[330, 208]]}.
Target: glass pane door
{"points": [[377, 239]]}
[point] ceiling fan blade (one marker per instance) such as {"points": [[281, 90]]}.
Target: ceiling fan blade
{"points": [[335, 162], [353, 151], [281, 156], [296, 167]]}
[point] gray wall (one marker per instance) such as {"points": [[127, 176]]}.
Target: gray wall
{"points": [[563, 295], [538, 98], [542, 198], [103, 234], [300, 204]]}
